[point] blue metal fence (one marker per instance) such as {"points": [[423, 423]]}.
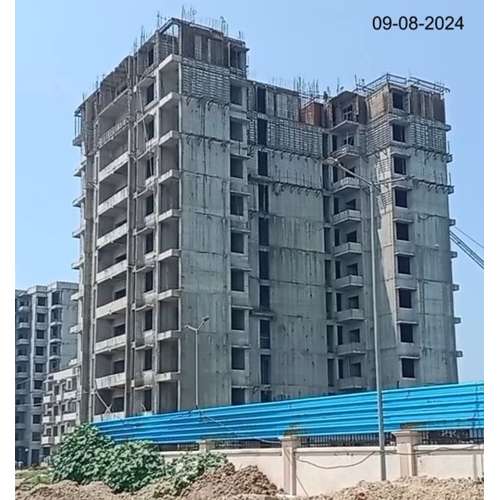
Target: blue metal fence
{"points": [[438, 407]]}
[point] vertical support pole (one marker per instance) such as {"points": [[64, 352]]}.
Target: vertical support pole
{"points": [[288, 446], [206, 445], [406, 440]]}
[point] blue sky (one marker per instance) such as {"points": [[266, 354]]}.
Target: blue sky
{"points": [[63, 46]]}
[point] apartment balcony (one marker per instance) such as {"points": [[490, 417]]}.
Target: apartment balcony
{"points": [[109, 381], [111, 271], [76, 329], [173, 253], [111, 308], [114, 166], [350, 349], [351, 383], [77, 295], [109, 416], [345, 185], [20, 425], [49, 398], [23, 309], [112, 236], [401, 214], [113, 132], [406, 281], [169, 294], [346, 216], [118, 200], [170, 101], [404, 315], [172, 213], [350, 315], [404, 248], [22, 325], [144, 379], [78, 231], [168, 334], [111, 344], [77, 202], [69, 417], [347, 152], [77, 264], [48, 419], [78, 139], [350, 281], [48, 440], [22, 357], [79, 169], [22, 341], [169, 176], [54, 356], [344, 127], [169, 139], [22, 374], [21, 391], [167, 376]]}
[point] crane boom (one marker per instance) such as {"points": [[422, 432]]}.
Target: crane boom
{"points": [[467, 249]]}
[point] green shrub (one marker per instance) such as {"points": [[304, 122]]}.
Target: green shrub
{"points": [[185, 470], [83, 456], [133, 465]]}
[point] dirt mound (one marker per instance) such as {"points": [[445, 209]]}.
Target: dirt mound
{"points": [[417, 488], [227, 481], [67, 490]]}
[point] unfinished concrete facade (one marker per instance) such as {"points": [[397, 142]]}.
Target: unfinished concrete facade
{"points": [[205, 194], [45, 343]]}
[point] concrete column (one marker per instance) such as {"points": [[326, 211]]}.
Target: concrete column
{"points": [[406, 440], [205, 445], [288, 446]]}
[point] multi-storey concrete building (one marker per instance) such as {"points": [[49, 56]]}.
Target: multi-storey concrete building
{"points": [[45, 343], [206, 194], [60, 406]]}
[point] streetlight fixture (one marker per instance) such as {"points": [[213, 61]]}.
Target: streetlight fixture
{"points": [[196, 331], [376, 339]]}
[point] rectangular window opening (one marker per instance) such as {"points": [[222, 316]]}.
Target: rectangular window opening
{"points": [[405, 298], [236, 167], [237, 358], [401, 198], [406, 333], [237, 242], [265, 334], [262, 163], [237, 280], [237, 204]]}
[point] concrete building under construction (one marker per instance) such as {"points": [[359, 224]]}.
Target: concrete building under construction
{"points": [[207, 194]]}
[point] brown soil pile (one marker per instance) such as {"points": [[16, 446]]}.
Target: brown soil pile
{"points": [[417, 488], [227, 481], [67, 490]]}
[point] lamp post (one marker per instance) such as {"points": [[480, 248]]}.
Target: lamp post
{"points": [[196, 331], [376, 339]]}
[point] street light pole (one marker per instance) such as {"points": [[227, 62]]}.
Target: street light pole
{"points": [[376, 343], [196, 331]]}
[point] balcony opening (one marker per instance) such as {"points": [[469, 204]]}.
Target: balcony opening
{"points": [[236, 167], [402, 231], [328, 272], [265, 334], [404, 264], [150, 94], [119, 294], [237, 396], [263, 231], [353, 302], [338, 269], [263, 163], [351, 204], [151, 56], [348, 140], [149, 205], [327, 209], [336, 236], [169, 315], [237, 280], [236, 204], [237, 319], [149, 242], [150, 167], [341, 368], [398, 100], [56, 298], [237, 242], [338, 301], [326, 176], [352, 269], [401, 198], [118, 404], [264, 265], [265, 369], [355, 336], [41, 301], [398, 133], [236, 94], [119, 330], [263, 198], [408, 368], [406, 333], [148, 320], [399, 164], [264, 297], [120, 258], [355, 369], [261, 132], [261, 100], [351, 237], [147, 399], [168, 397], [150, 129], [236, 131], [336, 205], [169, 356], [327, 240], [331, 372], [148, 359], [148, 281], [119, 366], [328, 305], [169, 275], [330, 344], [405, 298], [237, 358], [266, 396]]}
